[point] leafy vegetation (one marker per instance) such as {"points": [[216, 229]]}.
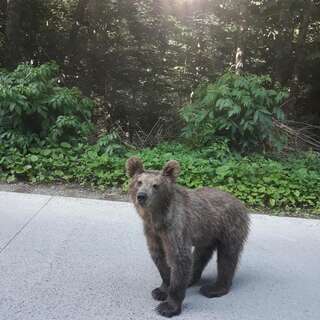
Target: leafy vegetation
{"points": [[34, 108], [142, 58], [258, 181], [44, 129], [238, 107]]}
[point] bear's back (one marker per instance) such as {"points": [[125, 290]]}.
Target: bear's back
{"points": [[216, 215]]}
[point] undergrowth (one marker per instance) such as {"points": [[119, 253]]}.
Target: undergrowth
{"points": [[293, 182]]}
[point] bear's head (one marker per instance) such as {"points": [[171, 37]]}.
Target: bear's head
{"points": [[151, 189]]}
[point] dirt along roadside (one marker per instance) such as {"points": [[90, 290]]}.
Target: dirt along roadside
{"points": [[117, 194], [65, 190]]}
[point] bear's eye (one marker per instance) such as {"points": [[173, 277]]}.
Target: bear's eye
{"points": [[155, 186], [139, 183]]}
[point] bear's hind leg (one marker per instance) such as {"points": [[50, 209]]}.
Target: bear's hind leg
{"points": [[200, 258], [227, 262]]}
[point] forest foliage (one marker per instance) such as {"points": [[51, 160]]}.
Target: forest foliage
{"points": [[66, 65], [141, 59], [35, 109], [240, 108]]}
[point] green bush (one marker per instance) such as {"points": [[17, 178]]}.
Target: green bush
{"points": [[110, 144], [34, 108], [258, 181], [79, 163], [239, 108]]}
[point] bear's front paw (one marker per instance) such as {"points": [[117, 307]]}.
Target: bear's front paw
{"points": [[159, 295], [168, 310]]}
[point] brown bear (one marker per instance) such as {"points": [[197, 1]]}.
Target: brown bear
{"points": [[176, 220]]}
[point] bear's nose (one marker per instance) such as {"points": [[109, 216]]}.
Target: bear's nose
{"points": [[141, 196]]}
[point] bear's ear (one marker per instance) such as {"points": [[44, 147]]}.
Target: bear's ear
{"points": [[134, 166], [171, 170]]}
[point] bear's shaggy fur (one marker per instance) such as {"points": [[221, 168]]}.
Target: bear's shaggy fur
{"points": [[176, 219]]}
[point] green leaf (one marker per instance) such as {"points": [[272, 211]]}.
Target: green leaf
{"points": [[223, 103], [272, 202], [235, 110], [34, 158], [11, 179], [65, 145]]}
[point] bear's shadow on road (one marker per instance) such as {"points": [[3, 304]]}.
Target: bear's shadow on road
{"points": [[240, 282]]}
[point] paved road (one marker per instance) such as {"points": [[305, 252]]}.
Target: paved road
{"points": [[66, 258]]}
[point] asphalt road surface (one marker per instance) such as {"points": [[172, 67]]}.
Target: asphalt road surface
{"points": [[79, 259]]}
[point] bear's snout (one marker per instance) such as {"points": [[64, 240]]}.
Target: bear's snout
{"points": [[141, 197]]}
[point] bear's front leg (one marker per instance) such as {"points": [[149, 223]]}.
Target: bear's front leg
{"points": [[158, 256], [179, 258]]}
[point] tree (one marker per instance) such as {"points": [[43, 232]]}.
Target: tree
{"points": [[13, 31], [141, 59]]}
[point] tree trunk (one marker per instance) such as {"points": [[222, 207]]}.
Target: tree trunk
{"points": [[13, 31], [239, 61], [300, 45], [78, 21], [3, 18], [3, 15]]}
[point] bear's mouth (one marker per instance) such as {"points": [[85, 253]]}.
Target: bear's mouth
{"points": [[142, 204], [142, 199]]}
